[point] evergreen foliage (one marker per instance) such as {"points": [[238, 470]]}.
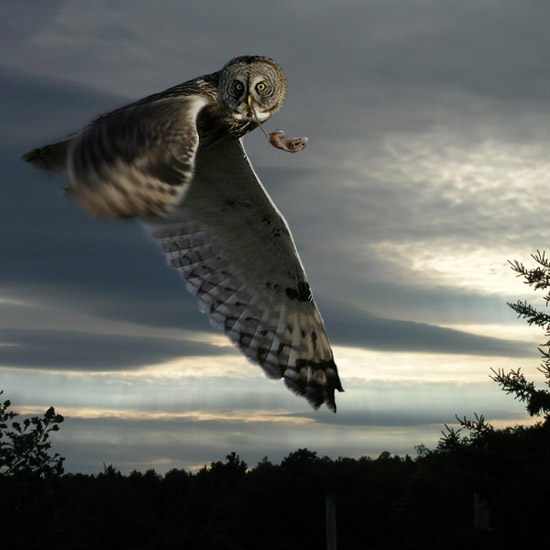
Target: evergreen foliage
{"points": [[514, 382]]}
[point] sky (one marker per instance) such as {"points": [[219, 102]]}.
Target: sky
{"points": [[426, 171]]}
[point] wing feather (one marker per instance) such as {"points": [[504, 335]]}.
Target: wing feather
{"points": [[137, 161], [235, 252]]}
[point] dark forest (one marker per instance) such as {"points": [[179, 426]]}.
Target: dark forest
{"points": [[382, 503]]}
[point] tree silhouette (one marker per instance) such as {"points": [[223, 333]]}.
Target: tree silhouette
{"points": [[24, 447], [514, 382]]}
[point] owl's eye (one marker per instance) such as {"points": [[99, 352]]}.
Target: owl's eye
{"points": [[260, 87], [239, 86]]}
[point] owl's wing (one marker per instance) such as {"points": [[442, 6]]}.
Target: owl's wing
{"points": [[51, 157], [135, 161], [234, 249]]}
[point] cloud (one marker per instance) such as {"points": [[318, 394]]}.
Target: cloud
{"points": [[384, 53], [94, 352], [38, 110], [138, 440], [111, 270], [425, 171], [353, 327]]}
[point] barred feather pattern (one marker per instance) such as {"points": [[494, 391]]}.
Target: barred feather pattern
{"points": [[284, 335], [234, 249], [137, 161]]}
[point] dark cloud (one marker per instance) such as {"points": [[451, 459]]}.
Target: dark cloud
{"points": [[23, 21], [74, 350], [36, 111], [350, 326]]}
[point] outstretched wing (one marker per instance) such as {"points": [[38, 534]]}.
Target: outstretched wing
{"points": [[235, 251], [135, 161]]}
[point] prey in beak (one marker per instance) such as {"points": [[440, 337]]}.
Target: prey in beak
{"points": [[278, 138]]}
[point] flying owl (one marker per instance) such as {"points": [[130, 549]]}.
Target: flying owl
{"points": [[175, 160]]}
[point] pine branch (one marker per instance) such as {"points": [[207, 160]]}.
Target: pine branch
{"points": [[533, 315], [514, 382]]}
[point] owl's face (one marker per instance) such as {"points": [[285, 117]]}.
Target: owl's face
{"points": [[252, 81]]}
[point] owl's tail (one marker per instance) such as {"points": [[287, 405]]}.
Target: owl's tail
{"points": [[52, 157]]}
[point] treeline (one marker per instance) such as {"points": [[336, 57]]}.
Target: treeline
{"points": [[383, 503]]}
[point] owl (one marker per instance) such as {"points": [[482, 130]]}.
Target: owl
{"points": [[175, 161]]}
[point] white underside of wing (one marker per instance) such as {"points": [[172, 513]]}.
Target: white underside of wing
{"points": [[237, 256]]}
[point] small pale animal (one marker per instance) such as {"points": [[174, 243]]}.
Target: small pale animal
{"points": [[175, 160]]}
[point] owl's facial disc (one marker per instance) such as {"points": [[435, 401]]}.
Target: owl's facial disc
{"points": [[249, 100], [252, 81]]}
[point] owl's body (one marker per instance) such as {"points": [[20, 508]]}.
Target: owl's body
{"points": [[175, 160]]}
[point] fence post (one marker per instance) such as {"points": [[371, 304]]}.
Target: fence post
{"points": [[330, 514], [481, 513]]}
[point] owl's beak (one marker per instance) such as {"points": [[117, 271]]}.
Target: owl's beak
{"points": [[250, 107], [251, 111], [255, 116]]}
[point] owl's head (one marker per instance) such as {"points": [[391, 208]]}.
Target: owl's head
{"points": [[252, 80]]}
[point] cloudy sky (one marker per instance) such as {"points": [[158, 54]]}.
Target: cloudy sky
{"points": [[426, 171]]}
